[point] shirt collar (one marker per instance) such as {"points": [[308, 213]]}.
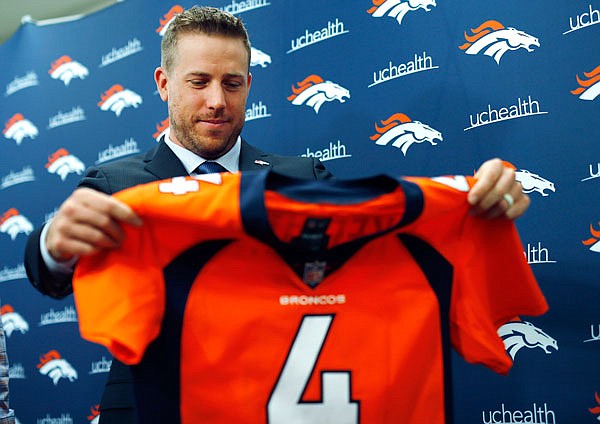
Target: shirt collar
{"points": [[191, 161]]}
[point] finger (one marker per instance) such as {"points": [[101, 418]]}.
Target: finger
{"points": [[492, 203], [511, 210], [96, 229], [522, 202], [65, 247], [487, 177], [106, 204], [86, 222]]}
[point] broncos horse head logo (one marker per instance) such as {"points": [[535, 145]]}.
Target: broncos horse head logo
{"points": [[62, 163], [397, 9], [403, 132], [13, 223], [589, 87], [65, 69], [314, 91], [594, 241], [117, 98], [52, 365], [13, 321], [519, 334], [533, 182], [494, 40], [17, 128]]}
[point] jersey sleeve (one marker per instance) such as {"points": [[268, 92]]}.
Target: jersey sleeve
{"points": [[118, 306], [492, 284], [492, 281], [120, 293]]}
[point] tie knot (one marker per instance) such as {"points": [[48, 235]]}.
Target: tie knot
{"points": [[210, 167]]}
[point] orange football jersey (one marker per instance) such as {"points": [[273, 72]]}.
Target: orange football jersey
{"points": [[254, 298]]}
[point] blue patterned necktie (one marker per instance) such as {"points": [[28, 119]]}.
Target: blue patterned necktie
{"points": [[210, 167]]}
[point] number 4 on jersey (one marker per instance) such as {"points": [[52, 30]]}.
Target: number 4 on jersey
{"points": [[286, 405]]}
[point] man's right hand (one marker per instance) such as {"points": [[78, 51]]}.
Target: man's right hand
{"points": [[87, 222]]}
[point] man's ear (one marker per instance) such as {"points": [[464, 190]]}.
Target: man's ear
{"points": [[160, 77]]}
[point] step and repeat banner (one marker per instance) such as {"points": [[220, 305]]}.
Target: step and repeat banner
{"points": [[409, 87]]}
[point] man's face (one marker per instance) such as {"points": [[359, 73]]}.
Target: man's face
{"points": [[206, 90]]}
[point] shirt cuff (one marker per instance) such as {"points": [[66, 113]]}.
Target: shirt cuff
{"points": [[54, 266]]}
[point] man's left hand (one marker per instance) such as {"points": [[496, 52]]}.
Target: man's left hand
{"points": [[496, 186]]}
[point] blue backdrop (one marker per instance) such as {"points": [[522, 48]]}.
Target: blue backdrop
{"points": [[413, 87]]}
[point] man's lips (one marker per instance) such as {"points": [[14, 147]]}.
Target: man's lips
{"points": [[213, 122]]}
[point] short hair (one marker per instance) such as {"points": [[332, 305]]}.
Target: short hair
{"points": [[201, 20]]}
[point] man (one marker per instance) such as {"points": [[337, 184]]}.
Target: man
{"points": [[204, 78]]}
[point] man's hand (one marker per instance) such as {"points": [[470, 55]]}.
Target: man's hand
{"points": [[494, 181], [86, 222]]}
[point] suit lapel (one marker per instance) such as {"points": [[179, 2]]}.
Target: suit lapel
{"points": [[163, 163], [253, 159]]}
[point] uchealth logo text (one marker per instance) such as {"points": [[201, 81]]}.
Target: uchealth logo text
{"points": [[332, 29], [167, 18], [76, 114], [257, 111], [402, 132], [493, 39], [536, 253], [117, 98], [518, 334], [30, 79], [398, 9], [419, 63], [66, 69], [594, 334], [589, 85], [537, 414], [521, 108], [65, 418], [68, 314], [133, 46], [17, 128], [63, 163], [16, 371], [593, 174], [13, 223], [25, 175], [128, 147], [313, 91], [100, 367], [334, 151], [236, 7], [583, 20], [594, 241], [12, 321], [13, 273], [56, 368]]}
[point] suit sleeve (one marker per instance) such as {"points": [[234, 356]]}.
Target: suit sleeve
{"points": [[57, 286]]}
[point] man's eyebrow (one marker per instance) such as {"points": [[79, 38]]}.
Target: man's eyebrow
{"points": [[206, 74]]}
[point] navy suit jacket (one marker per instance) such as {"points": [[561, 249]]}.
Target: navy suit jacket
{"points": [[117, 405]]}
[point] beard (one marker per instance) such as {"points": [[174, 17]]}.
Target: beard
{"points": [[201, 141]]}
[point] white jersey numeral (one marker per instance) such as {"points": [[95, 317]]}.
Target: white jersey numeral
{"points": [[286, 405]]}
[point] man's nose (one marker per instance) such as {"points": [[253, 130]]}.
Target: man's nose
{"points": [[215, 97]]}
